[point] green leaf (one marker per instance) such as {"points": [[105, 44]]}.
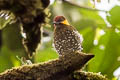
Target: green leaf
{"points": [[8, 59], [46, 54], [92, 15], [106, 53], [88, 38], [114, 17]]}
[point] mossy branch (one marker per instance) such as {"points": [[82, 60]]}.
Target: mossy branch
{"points": [[81, 75], [31, 15], [58, 69]]}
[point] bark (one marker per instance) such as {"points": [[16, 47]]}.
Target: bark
{"points": [[58, 69]]}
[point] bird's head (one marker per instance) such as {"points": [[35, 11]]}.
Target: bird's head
{"points": [[60, 20]]}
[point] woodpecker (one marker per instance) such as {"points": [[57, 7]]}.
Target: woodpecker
{"points": [[66, 37]]}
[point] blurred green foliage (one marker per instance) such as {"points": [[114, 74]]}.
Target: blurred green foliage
{"points": [[105, 46], [114, 17], [5, 18]]}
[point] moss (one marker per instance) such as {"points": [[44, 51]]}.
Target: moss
{"points": [[32, 15], [58, 69], [89, 76]]}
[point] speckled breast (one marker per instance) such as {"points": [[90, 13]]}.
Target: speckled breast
{"points": [[67, 40]]}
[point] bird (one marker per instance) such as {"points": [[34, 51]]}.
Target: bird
{"points": [[65, 37]]}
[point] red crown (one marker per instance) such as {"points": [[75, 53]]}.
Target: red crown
{"points": [[59, 18]]}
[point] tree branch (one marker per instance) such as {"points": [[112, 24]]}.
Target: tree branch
{"points": [[59, 69], [83, 7], [81, 75]]}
